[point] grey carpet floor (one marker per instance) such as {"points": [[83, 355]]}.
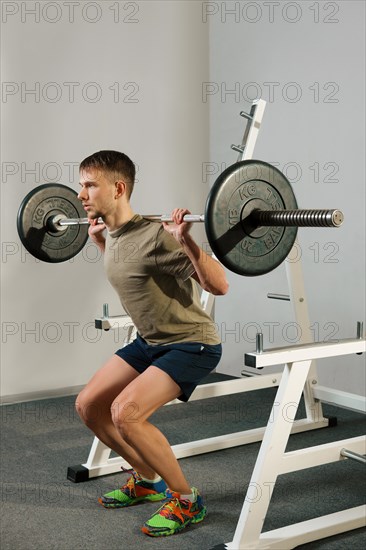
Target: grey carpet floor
{"points": [[41, 509]]}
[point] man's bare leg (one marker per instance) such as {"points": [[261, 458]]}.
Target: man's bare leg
{"points": [[130, 411], [93, 405], [118, 418]]}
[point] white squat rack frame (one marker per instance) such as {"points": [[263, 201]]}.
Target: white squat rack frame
{"points": [[273, 461]]}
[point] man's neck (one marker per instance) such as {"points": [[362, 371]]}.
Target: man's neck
{"points": [[118, 218]]}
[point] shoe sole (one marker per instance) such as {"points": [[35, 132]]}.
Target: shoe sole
{"points": [[196, 519], [152, 498]]}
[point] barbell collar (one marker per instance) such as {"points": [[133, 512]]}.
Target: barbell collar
{"points": [[53, 223], [298, 218]]}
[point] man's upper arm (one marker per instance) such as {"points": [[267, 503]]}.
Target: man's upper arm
{"points": [[170, 259]]}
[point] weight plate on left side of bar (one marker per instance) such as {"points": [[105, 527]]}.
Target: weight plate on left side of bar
{"points": [[38, 237]]}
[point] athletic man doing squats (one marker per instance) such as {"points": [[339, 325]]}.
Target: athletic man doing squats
{"points": [[151, 266]]}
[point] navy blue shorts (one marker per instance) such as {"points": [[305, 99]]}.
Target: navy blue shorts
{"points": [[186, 363]]}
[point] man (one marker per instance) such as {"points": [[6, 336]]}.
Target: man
{"points": [[151, 266]]}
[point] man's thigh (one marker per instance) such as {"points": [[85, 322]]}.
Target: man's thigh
{"points": [[145, 394], [109, 381]]}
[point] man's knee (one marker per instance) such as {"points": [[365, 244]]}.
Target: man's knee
{"points": [[126, 418], [89, 410]]}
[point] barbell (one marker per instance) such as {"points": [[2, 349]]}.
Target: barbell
{"points": [[251, 219]]}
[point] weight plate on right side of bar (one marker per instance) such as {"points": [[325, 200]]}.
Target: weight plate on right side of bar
{"points": [[241, 245], [35, 231]]}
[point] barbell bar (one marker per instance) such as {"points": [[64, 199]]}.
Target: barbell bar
{"points": [[288, 218], [251, 219], [58, 222]]}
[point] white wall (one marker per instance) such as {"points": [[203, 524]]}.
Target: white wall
{"points": [[155, 54], [306, 59]]}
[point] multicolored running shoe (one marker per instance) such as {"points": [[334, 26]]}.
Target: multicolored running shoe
{"points": [[134, 491], [175, 515]]}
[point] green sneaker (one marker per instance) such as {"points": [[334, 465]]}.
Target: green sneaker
{"points": [[175, 515], [134, 491]]}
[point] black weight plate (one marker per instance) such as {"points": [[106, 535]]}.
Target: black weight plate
{"points": [[37, 207], [236, 241]]}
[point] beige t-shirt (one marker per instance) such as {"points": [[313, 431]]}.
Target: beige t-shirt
{"points": [[151, 275]]}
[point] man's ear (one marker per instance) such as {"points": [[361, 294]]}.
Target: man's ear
{"points": [[120, 188]]}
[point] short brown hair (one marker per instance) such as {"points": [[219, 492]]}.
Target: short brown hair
{"points": [[112, 161]]}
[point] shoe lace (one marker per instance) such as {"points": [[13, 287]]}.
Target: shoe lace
{"points": [[173, 506], [130, 485]]}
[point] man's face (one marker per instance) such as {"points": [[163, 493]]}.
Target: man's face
{"points": [[97, 192]]}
